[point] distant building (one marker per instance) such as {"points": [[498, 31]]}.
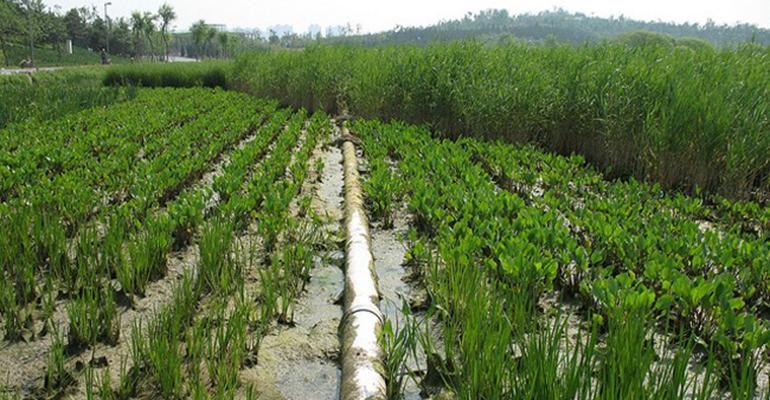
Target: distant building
{"points": [[218, 27]]}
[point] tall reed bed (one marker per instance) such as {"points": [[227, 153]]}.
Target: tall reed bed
{"points": [[690, 119], [44, 96], [209, 74]]}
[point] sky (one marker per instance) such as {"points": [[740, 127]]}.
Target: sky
{"points": [[375, 16]]}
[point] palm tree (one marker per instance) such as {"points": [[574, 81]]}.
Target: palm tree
{"points": [[224, 39], [137, 28], [211, 33], [199, 30], [166, 14], [149, 30]]}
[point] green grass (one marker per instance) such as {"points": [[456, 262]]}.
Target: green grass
{"points": [[45, 96], [93, 317], [206, 74], [49, 57], [686, 117], [219, 271], [147, 255], [546, 281], [382, 187], [178, 355], [57, 377]]}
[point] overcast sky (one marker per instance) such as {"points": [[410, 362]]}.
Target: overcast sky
{"points": [[386, 14]]}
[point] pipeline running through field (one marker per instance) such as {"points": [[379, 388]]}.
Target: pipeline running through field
{"points": [[362, 320]]}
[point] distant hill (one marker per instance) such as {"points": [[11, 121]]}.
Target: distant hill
{"points": [[557, 25]]}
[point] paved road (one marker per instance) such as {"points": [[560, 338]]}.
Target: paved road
{"points": [[14, 71], [181, 59]]}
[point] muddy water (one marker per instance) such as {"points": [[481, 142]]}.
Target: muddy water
{"points": [[388, 250], [300, 361]]}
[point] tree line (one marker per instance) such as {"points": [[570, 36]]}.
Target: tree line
{"points": [[560, 26], [145, 35]]}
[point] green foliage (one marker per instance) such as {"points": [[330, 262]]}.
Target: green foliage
{"points": [[44, 96], [225, 349], [57, 377], [687, 119], [219, 343], [187, 214], [398, 341], [209, 74], [93, 317], [166, 364], [382, 187], [231, 181], [498, 227], [148, 256], [50, 56], [218, 269], [695, 44], [155, 350], [645, 39], [558, 25]]}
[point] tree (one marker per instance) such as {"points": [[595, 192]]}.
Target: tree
{"points": [[53, 30], [97, 35], [33, 8], [199, 30], [232, 43], [11, 22], [120, 37], [224, 40], [166, 14], [211, 33], [149, 30], [137, 31], [76, 26]]}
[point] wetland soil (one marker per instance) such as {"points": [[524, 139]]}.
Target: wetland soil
{"points": [[301, 361]]}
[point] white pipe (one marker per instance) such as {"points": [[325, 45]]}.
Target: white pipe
{"points": [[362, 320]]}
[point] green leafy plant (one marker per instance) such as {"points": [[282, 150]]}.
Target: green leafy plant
{"points": [[57, 376]]}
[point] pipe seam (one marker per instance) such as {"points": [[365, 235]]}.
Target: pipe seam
{"points": [[363, 308]]}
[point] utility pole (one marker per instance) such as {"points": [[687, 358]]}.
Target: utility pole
{"points": [[109, 25]]}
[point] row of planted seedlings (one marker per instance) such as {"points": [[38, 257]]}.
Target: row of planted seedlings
{"points": [[131, 250], [77, 143], [383, 189], [196, 345], [489, 259], [134, 257], [644, 249], [531, 173], [43, 255], [192, 211], [130, 256], [115, 176]]}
